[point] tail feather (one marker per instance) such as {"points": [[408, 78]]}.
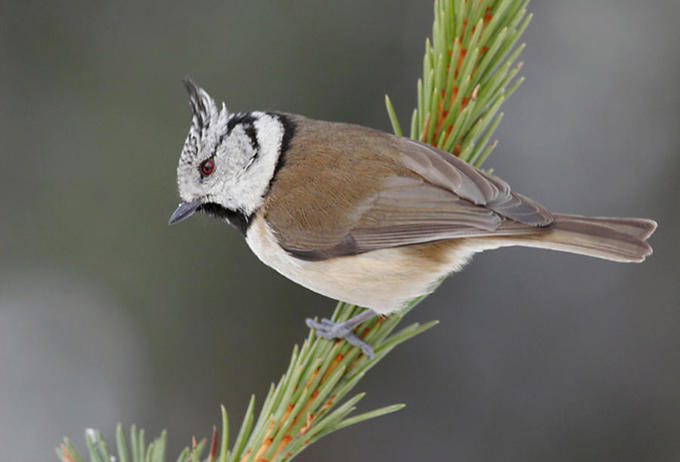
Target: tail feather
{"points": [[640, 228], [616, 239]]}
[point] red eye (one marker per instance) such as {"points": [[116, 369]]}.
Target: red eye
{"points": [[207, 167]]}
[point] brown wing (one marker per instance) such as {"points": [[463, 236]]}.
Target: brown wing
{"points": [[452, 174], [351, 190]]}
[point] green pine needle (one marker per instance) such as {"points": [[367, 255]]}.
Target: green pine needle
{"points": [[467, 73], [224, 444]]}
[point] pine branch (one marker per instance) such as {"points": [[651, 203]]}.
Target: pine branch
{"points": [[469, 70]]}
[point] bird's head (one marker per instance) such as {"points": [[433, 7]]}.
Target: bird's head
{"points": [[228, 160]]}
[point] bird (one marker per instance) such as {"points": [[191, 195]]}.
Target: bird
{"points": [[363, 216]]}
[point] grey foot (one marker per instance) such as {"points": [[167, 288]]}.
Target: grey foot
{"points": [[343, 330]]}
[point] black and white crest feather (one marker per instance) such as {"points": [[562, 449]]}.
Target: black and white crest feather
{"points": [[202, 104]]}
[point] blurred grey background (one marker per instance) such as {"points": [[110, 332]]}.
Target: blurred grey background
{"points": [[107, 314]]}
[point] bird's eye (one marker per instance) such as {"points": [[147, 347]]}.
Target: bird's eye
{"points": [[207, 167]]}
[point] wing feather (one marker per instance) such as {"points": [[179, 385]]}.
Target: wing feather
{"points": [[426, 195]]}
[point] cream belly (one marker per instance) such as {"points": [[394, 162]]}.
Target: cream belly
{"points": [[383, 280]]}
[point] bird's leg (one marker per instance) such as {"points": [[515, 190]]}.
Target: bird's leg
{"points": [[344, 330]]}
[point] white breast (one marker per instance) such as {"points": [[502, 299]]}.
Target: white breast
{"points": [[383, 280]]}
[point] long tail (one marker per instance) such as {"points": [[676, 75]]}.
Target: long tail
{"points": [[616, 239]]}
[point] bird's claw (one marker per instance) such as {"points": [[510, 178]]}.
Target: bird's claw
{"points": [[330, 330]]}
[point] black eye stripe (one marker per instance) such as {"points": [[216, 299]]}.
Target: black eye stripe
{"points": [[247, 120], [252, 134]]}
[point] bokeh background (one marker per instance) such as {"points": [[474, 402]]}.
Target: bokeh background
{"points": [[107, 314]]}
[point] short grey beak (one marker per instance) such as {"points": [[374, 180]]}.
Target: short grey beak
{"points": [[184, 211]]}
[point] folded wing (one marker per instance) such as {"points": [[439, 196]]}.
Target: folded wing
{"points": [[435, 197]]}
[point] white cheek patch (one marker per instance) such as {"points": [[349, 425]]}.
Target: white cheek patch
{"points": [[233, 156], [248, 186]]}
